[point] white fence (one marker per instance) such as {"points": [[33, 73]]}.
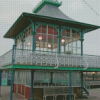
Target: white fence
{"points": [[27, 57], [6, 59]]}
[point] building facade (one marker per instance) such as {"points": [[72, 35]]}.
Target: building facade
{"points": [[47, 60]]}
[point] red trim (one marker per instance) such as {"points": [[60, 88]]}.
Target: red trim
{"points": [[14, 88], [23, 90], [19, 88], [27, 93]]}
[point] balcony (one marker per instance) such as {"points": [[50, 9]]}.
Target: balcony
{"points": [[27, 57], [6, 59]]}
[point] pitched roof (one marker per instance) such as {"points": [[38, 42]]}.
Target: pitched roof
{"points": [[53, 11]]}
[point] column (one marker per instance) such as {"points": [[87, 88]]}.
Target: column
{"points": [[70, 84], [82, 66], [59, 50], [11, 91], [0, 81], [32, 78], [34, 45], [13, 49], [51, 77], [81, 84]]}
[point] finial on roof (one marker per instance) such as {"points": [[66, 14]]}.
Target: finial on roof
{"points": [[43, 2]]}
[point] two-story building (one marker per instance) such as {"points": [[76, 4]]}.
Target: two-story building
{"points": [[47, 60]]}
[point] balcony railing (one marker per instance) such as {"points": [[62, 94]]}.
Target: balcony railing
{"points": [[6, 59], [48, 59], [27, 57]]}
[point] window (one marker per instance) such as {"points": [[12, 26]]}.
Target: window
{"points": [[46, 39], [70, 42]]}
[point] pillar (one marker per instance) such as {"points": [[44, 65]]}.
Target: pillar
{"points": [[81, 84], [59, 50], [11, 91], [0, 81], [51, 77], [32, 78], [82, 35], [13, 49], [70, 84]]}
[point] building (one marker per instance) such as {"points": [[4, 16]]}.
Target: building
{"points": [[47, 60]]}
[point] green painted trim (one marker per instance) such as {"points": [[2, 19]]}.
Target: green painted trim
{"points": [[66, 28], [50, 2], [49, 67], [32, 67], [12, 70], [52, 25], [7, 67], [59, 37]]}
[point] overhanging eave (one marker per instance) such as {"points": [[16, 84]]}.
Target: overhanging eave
{"points": [[22, 22]]}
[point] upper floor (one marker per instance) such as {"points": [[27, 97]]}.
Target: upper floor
{"points": [[48, 38]]}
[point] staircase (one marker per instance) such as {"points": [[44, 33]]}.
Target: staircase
{"points": [[86, 88], [85, 91]]}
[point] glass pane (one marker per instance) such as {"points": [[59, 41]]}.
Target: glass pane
{"points": [[78, 50], [78, 43]]}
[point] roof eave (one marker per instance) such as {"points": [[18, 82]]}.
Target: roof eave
{"points": [[63, 20], [93, 27], [13, 25]]}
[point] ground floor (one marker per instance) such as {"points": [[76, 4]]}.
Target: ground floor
{"points": [[5, 94], [47, 84]]}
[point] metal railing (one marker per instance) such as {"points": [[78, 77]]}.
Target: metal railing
{"points": [[48, 59], [27, 57], [6, 59]]}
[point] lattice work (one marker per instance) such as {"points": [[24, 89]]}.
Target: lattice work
{"points": [[50, 59]]}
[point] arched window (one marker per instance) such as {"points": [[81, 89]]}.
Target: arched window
{"points": [[46, 38], [70, 42]]}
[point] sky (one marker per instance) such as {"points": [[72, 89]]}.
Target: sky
{"points": [[87, 12]]}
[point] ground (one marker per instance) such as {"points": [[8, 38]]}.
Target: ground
{"points": [[5, 94]]}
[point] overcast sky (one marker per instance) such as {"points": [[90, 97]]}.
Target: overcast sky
{"points": [[78, 10]]}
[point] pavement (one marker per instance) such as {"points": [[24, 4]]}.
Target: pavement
{"points": [[5, 94]]}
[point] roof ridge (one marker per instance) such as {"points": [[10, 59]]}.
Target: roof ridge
{"points": [[43, 2]]}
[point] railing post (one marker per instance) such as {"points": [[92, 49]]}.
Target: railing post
{"points": [[70, 72], [11, 91], [32, 78], [13, 49], [0, 81]]}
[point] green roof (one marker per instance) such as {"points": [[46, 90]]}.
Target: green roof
{"points": [[22, 22], [43, 2]]}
